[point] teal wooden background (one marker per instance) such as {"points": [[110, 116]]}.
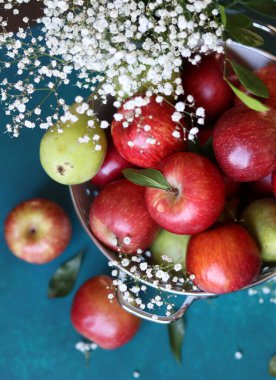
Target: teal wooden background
{"points": [[37, 340]]}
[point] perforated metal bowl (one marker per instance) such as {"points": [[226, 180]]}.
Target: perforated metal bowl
{"points": [[83, 195]]}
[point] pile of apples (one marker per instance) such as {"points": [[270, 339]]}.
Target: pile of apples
{"points": [[210, 205], [226, 228]]}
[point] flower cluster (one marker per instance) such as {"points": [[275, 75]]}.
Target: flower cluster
{"points": [[165, 277], [102, 48]]}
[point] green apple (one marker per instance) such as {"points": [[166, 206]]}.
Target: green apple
{"points": [[72, 152], [259, 218], [172, 245]]}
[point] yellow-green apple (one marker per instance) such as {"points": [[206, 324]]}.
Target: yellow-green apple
{"points": [[223, 259], [268, 76], [72, 152], [171, 245], [196, 198], [205, 82], [259, 218], [144, 133], [119, 218], [37, 230], [244, 143], [100, 319], [111, 168]]}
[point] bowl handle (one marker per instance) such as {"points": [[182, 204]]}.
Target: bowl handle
{"points": [[153, 317]]}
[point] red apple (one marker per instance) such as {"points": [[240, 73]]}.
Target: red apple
{"points": [[244, 143], [111, 168], [119, 217], [197, 196], [37, 230], [274, 182], [204, 136], [146, 133], [100, 320], [223, 259], [205, 82], [268, 76]]}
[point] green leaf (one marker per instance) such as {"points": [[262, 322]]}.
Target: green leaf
{"points": [[147, 177], [249, 80], [63, 280], [246, 37], [252, 103], [264, 7], [176, 332], [222, 15], [272, 366], [238, 21]]}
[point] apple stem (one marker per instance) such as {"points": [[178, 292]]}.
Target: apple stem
{"points": [[173, 191]]}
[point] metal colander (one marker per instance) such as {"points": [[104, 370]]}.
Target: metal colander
{"points": [[83, 195]]}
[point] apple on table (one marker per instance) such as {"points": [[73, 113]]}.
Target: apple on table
{"points": [[37, 230], [97, 315]]}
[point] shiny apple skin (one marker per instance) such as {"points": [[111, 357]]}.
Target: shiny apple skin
{"points": [[99, 320], [118, 212], [200, 194], [37, 230], [268, 76], [223, 259], [111, 168], [158, 116], [205, 82], [244, 143]]}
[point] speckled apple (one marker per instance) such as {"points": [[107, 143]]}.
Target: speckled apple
{"points": [[223, 259], [197, 196], [65, 158], [119, 218], [205, 82], [37, 230], [100, 320], [151, 135], [244, 143]]}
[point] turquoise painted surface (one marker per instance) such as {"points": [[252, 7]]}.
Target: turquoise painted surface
{"points": [[37, 339]]}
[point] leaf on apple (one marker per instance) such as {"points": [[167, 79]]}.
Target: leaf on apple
{"points": [[237, 21], [266, 8], [272, 366], [246, 36], [64, 279], [176, 332], [250, 102], [249, 80], [147, 177]]}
